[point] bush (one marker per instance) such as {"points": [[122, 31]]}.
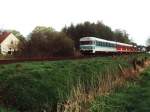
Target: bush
{"points": [[2, 109], [26, 93], [46, 43]]}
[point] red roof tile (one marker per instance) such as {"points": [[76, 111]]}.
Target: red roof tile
{"points": [[3, 35]]}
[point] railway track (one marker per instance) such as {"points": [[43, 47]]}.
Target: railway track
{"points": [[9, 61], [16, 60]]}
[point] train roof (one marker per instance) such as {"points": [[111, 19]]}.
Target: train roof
{"points": [[119, 43], [96, 39], [103, 40]]}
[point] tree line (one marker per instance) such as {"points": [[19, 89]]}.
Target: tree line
{"points": [[45, 41], [99, 30]]}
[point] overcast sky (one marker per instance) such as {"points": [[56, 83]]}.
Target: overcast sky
{"points": [[130, 15]]}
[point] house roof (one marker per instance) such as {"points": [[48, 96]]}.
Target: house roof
{"points": [[4, 35]]}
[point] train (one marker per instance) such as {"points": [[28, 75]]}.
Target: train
{"points": [[93, 45]]}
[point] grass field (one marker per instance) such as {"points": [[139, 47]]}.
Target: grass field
{"points": [[38, 86], [134, 97]]}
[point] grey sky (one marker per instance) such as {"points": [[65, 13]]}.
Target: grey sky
{"points": [[130, 15]]}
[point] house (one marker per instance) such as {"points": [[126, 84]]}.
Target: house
{"points": [[8, 43]]}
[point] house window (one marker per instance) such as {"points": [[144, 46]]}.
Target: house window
{"points": [[12, 42], [9, 52]]}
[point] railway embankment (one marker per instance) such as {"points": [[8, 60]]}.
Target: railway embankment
{"points": [[66, 85]]}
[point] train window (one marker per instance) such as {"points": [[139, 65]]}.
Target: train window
{"points": [[100, 43], [113, 45], [110, 45], [106, 44], [96, 43], [85, 42]]}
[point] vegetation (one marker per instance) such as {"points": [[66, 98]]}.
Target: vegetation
{"points": [[98, 30], [2, 109], [44, 41], [40, 86], [133, 97], [17, 34]]}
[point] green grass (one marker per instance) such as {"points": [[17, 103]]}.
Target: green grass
{"points": [[38, 86], [134, 97], [2, 109]]}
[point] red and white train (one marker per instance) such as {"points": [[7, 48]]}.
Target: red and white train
{"points": [[94, 45]]}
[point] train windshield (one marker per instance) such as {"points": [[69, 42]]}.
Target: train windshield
{"points": [[86, 42]]}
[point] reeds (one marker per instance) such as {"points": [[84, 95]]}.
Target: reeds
{"points": [[80, 98]]}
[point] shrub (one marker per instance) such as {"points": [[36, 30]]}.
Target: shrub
{"points": [[46, 43], [26, 93]]}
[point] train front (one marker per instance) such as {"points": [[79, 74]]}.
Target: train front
{"points": [[87, 45]]}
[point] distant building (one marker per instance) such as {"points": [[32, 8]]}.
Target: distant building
{"points": [[8, 43], [141, 48]]}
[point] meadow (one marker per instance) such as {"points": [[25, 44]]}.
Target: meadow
{"points": [[39, 86], [133, 97]]}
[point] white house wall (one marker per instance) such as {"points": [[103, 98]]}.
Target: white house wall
{"points": [[5, 45]]}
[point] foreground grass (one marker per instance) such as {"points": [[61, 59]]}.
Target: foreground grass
{"points": [[39, 86], [134, 97], [2, 109]]}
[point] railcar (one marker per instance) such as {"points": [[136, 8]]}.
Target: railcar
{"points": [[94, 45], [125, 48]]}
